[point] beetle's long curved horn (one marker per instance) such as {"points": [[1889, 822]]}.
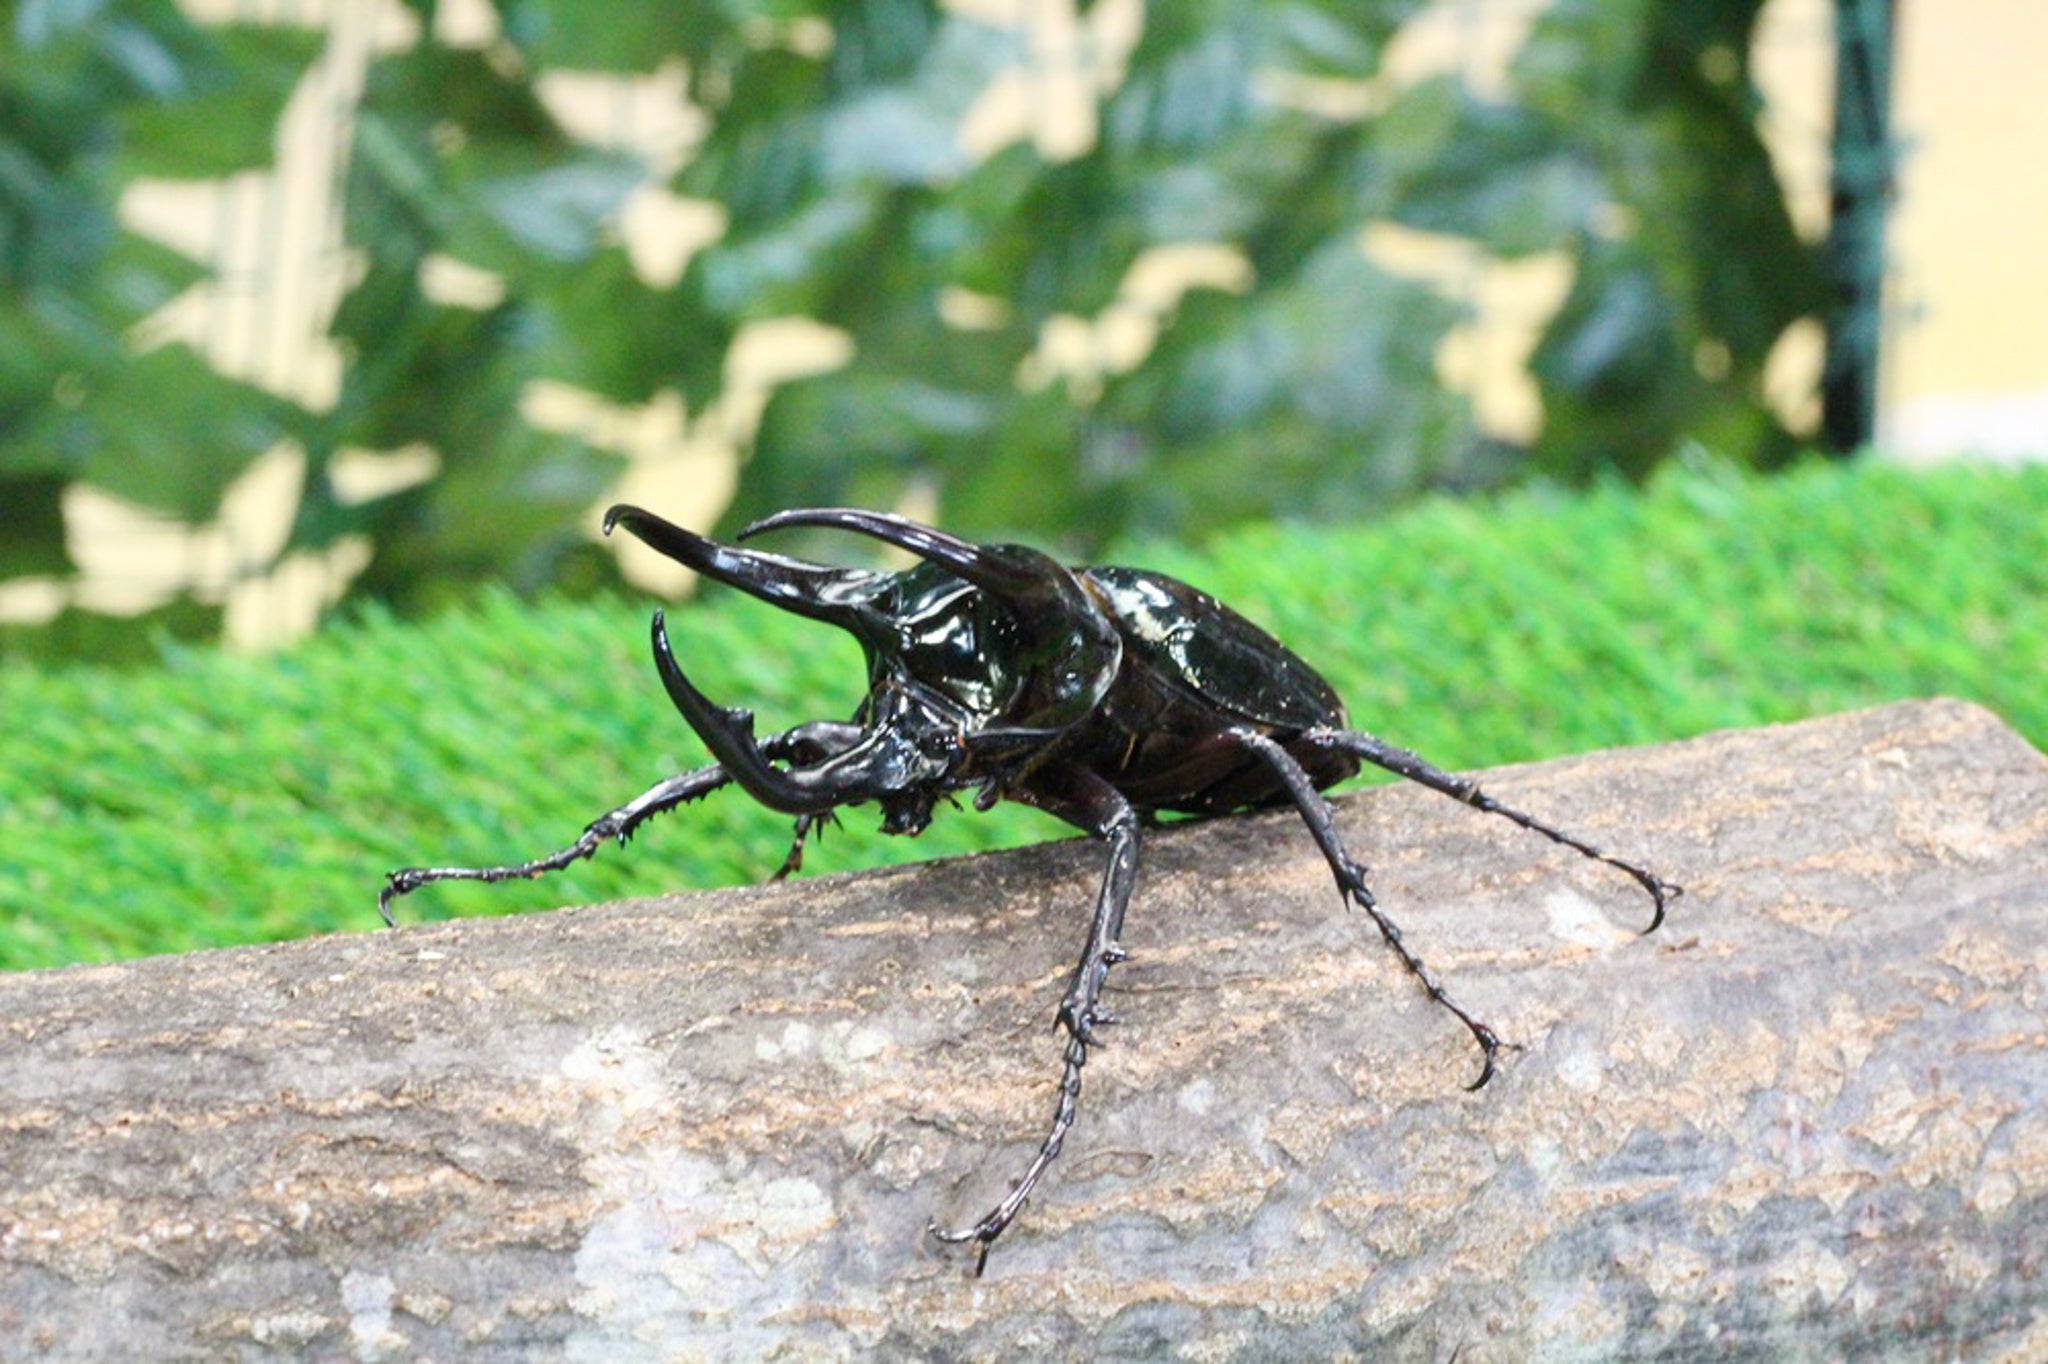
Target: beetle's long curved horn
{"points": [[1002, 569], [881, 760], [1071, 648], [815, 590]]}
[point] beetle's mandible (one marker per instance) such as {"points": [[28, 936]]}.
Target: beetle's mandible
{"points": [[1104, 696]]}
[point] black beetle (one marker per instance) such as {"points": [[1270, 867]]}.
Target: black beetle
{"points": [[1104, 696]]}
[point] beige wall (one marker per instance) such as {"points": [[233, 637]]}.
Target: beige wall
{"points": [[1966, 370]]}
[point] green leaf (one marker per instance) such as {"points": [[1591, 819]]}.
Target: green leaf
{"points": [[166, 431], [225, 117], [33, 544], [636, 36], [557, 213], [908, 132], [1445, 161], [601, 328], [783, 270]]}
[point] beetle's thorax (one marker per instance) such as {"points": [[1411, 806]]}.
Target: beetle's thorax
{"points": [[928, 630], [1037, 667]]}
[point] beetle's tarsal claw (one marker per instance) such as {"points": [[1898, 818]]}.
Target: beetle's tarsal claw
{"points": [[1489, 1048], [980, 1231], [1662, 892]]}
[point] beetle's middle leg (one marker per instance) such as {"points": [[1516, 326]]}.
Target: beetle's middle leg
{"points": [[1102, 810], [1315, 811]]}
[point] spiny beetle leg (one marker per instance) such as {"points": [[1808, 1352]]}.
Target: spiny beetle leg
{"points": [[1417, 769], [620, 823], [1103, 811], [806, 742], [805, 826], [985, 1232], [1316, 813], [809, 743]]}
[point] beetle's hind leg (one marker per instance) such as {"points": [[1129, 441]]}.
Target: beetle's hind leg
{"points": [[1412, 766], [1315, 811], [1103, 811]]}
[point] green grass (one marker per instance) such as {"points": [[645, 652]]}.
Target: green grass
{"points": [[224, 799]]}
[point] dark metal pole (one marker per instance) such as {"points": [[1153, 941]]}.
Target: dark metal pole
{"points": [[1860, 195]]}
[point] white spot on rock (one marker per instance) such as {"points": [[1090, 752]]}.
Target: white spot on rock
{"points": [[1575, 919], [368, 1298], [797, 1038], [690, 1258], [1582, 1068]]}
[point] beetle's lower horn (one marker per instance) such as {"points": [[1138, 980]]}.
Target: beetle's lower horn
{"points": [[847, 777], [729, 734]]}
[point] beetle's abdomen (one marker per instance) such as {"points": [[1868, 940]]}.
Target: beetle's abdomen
{"points": [[1193, 669], [1222, 661]]}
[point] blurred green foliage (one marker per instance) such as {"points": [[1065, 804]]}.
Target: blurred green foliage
{"points": [[94, 96], [831, 146], [225, 799]]}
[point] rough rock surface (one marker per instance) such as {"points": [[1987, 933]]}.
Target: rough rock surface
{"points": [[1807, 1119]]}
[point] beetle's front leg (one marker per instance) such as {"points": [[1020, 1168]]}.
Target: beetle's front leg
{"points": [[804, 743], [1095, 805], [620, 823]]}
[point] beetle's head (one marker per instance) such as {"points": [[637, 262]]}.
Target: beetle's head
{"points": [[1056, 652], [1038, 653]]}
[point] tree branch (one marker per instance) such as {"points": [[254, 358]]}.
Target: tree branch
{"points": [[1805, 1118]]}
